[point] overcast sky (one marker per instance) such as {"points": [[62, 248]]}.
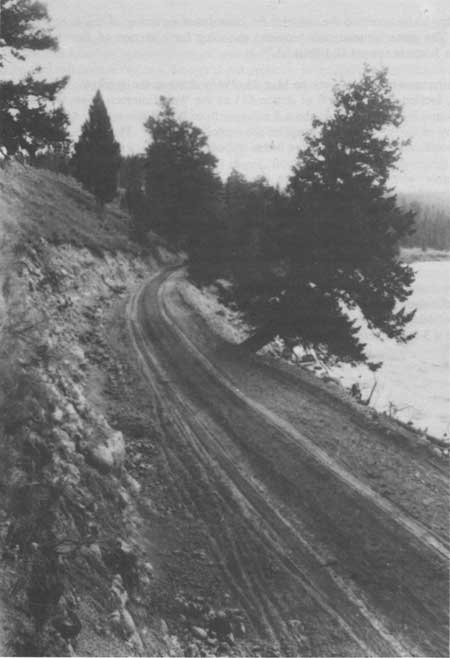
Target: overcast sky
{"points": [[251, 73]]}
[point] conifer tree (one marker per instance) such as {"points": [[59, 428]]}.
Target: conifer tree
{"points": [[339, 248], [29, 119], [181, 180], [96, 159]]}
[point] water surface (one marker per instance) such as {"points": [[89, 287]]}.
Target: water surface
{"points": [[414, 382]]}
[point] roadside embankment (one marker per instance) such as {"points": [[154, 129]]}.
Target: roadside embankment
{"points": [[72, 564]]}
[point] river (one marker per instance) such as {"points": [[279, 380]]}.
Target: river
{"points": [[414, 381]]}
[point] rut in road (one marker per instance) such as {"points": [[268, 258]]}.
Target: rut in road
{"points": [[237, 539], [251, 525]]}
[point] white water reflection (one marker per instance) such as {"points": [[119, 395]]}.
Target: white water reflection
{"points": [[414, 382]]}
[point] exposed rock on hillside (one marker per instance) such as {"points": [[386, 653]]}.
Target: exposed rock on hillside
{"points": [[67, 498]]}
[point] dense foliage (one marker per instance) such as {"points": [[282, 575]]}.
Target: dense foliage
{"points": [[181, 181], [29, 120], [334, 246], [96, 159]]}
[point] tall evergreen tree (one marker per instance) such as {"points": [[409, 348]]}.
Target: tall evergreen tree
{"points": [[181, 182], [96, 159], [339, 248], [29, 119]]}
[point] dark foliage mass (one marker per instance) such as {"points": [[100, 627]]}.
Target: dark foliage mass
{"points": [[299, 262], [132, 181], [181, 182], [96, 159], [30, 121]]}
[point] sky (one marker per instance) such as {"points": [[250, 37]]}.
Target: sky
{"points": [[252, 73]]}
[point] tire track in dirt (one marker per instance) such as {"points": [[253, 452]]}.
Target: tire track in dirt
{"points": [[175, 470], [368, 632], [253, 595]]}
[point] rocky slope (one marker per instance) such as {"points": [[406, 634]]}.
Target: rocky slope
{"points": [[74, 577]]}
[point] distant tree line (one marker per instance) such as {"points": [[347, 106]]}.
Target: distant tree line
{"points": [[432, 222]]}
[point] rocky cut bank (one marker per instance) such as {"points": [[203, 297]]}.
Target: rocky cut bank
{"points": [[71, 562]]}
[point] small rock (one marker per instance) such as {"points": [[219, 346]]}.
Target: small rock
{"points": [[124, 497], [149, 568], [70, 412], [128, 622], [164, 628], [116, 619], [192, 650], [133, 484], [119, 591], [63, 438], [58, 415], [230, 638], [109, 455], [200, 553], [95, 550], [199, 632]]}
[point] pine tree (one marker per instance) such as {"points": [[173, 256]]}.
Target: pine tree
{"points": [[96, 159], [29, 119], [338, 249], [23, 28], [181, 181]]}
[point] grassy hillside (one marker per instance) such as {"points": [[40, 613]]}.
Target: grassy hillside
{"points": [[43, 204]]}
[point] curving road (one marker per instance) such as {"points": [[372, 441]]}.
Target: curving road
{"points": [[321, 562]]}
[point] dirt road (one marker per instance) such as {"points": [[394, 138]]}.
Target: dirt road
{"points": [[322, 563]]}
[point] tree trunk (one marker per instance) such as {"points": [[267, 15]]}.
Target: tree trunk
{"points": [[259, 339]]}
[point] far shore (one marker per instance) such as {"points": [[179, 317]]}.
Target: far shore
{"points": [[416, 254]]}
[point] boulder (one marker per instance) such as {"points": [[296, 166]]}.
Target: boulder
{"points": [[63, 439], [199, 632], [108, 455], [133, 484], [57, 415]]}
